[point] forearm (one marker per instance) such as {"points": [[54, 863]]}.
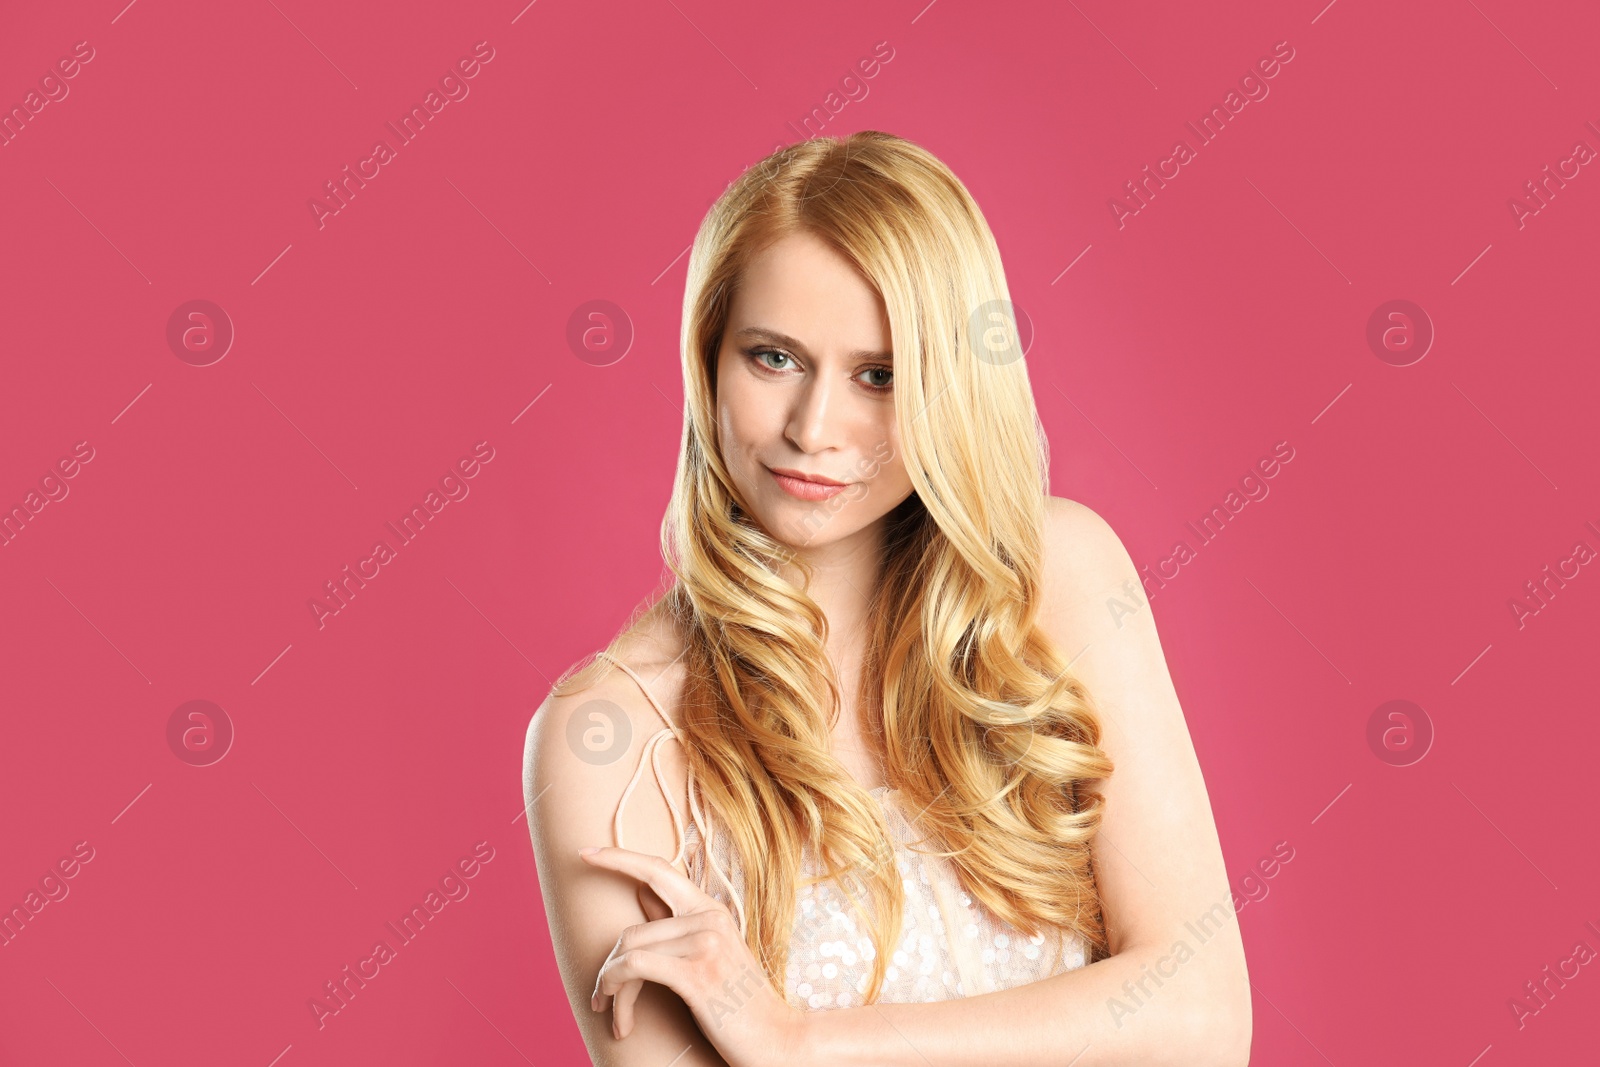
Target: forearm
{"points": [[1141, 1006]]}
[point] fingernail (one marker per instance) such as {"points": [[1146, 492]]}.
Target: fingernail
{"points": [[591, 850]]}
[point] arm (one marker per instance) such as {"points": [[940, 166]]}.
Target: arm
{"points": [[1175, 989], [571, 804]]}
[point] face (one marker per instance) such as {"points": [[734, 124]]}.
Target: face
{"points": [[805, 387]]}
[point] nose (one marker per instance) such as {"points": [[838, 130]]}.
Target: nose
{"points": [[813, 425]]}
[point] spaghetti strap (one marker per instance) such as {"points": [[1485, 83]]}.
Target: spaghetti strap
{"points": [[647, 694], [652, 753]]}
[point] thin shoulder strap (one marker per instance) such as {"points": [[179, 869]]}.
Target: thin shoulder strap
{"points": [[651, 754], [648, 695]]}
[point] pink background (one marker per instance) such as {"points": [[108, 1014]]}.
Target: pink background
{"points": [[372, 752]]}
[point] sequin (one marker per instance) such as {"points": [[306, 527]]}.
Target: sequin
{"points": [[950, 945]]}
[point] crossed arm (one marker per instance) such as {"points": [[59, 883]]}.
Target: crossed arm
{"points": [[1174, 989]]}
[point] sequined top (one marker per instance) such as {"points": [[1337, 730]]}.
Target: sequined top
{"points": [[950, 945]]}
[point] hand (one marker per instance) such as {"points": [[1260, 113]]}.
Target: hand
{"points": [[692, 946]]}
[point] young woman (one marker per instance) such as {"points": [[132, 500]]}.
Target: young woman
{"points": [[917, 832]]}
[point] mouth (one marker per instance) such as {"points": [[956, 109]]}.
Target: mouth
{"points": [[805, 486]]}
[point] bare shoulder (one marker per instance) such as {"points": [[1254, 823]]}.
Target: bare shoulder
{"points": [[583, 748], [584, 745], [655, 652], [1085, 562]]}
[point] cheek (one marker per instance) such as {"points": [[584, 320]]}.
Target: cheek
{"points": [[728, 399], [894, 477], [741, 426], [885, 463]]}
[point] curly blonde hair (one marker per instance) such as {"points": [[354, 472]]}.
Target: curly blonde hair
{"points": [[984, 729]]}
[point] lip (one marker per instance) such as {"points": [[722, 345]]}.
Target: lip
{"points": [[802, 476], [803, 486]]}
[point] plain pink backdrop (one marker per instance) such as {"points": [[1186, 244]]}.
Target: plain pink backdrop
{"points": [[372, 352]]}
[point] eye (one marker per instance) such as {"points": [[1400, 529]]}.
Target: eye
{"points": [[883, 385], [761, 354], [764, 359]]}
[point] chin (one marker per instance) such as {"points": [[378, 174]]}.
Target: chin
{"points": [[806, 524], [814, 528]]}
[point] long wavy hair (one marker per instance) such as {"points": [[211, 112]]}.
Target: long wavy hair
{"points": [[984, 729]]}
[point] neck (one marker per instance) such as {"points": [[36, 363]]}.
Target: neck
{"points": [[843, 576]]}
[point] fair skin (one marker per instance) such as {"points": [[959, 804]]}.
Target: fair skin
{"points": [[650, 961]]}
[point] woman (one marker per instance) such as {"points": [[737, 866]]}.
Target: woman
{"points": [[904, 840]]}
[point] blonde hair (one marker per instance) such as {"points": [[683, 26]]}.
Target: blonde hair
{"points": [[986, 732]]}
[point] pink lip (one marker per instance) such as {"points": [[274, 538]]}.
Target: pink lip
{"points": [[806, 487]]}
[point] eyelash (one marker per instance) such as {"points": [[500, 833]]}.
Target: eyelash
{"points": [[755, 355]]}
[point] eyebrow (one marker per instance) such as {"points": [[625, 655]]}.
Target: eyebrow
{"points": [[765, 334]]}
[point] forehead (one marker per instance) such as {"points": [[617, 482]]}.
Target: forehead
{"points": [[802, 287]]}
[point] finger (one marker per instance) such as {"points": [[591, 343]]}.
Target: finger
{"points": [[652, 935], [642, 964], [622, 1008], [657, 931], [694, 943], [654, 907], [674, 888], [597, 1002], [622, 1002], [618, 970], [627, 994]]}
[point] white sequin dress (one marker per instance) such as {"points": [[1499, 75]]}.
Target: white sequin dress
{"points": [[950, 945]]}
